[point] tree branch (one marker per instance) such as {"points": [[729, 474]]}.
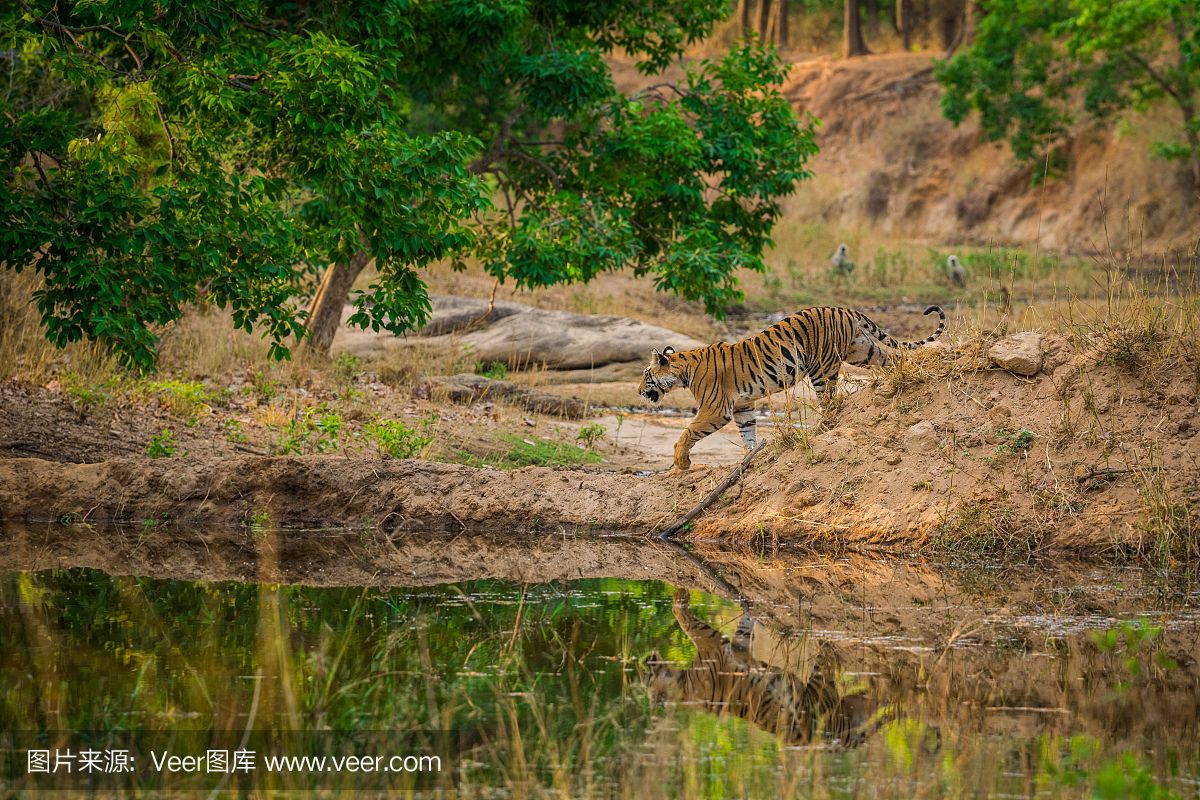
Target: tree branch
{"points": [[1159, 79], [492, 154], [554, 176], [711, 497], [162, 117], [37, 164]]}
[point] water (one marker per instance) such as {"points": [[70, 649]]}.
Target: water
{"points": [[829, 678]]}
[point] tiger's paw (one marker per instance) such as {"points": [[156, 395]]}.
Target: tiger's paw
{"points": [[683, 459]]}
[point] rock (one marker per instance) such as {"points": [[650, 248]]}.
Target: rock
{"points": [[999, 413], [1020, 353], [920, 436], [467, 388], [520, 336]]}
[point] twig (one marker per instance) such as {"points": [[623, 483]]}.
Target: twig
{"points": [[555, 179], [37, 164], [491, 306], [712, 496], [1109, 472], [26, 447], [162, 117]]}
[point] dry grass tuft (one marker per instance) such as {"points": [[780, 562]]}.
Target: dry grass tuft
{"points": [[24, 352], [992, 526], [912, 369], [1170, 527]]}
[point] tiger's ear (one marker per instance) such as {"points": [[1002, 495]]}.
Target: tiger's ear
{"points": [[662, 357], [668, 350]]}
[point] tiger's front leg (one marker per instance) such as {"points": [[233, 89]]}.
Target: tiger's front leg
{"points": [[744, 417], [697, 430]]}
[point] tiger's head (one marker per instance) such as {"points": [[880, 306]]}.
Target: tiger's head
{"points": [[659, 377], [664, 683]]}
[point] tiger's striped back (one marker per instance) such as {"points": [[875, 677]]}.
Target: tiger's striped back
{"points": [[725, 679]]}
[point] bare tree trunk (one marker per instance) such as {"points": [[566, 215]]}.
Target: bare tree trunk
{"points": [[964, 29], [781, 28], [904, 23], [852, 38], [747, 16], [764, 18], [771, 33], [1193, 139], [325, 311]]}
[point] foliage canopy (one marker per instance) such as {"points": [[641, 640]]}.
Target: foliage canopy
{"points": [[158, 155], [1032, 59]]}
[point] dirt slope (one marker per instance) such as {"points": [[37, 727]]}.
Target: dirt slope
{"points": [[943, 451], [890, 161], [1082, 456]]}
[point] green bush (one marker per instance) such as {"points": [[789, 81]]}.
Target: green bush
{"points": [[161, 445], [394, 439], [496, 370]]}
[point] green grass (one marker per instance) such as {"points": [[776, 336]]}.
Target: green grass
{"points": [[988, 526], [517, 451]]}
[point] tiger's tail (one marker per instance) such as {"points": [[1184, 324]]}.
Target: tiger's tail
{"points": [[891, 341]]}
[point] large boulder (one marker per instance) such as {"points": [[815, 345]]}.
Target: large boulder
{"points": [[1020, 353], [467, 388], [521, 336]]}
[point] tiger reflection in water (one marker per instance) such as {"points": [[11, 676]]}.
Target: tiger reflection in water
{"points": [[726, 678]]}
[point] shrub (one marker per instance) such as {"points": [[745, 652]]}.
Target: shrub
{"points": [[394, 439], [161, 445]]}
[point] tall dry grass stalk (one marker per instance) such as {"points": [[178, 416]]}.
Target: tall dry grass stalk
{"points": [[25, 354]]}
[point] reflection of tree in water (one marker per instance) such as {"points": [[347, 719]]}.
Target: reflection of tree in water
{"points": [[726, 678]]}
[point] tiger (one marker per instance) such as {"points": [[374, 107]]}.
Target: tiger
{"points": [[725, 678], [727, 379]]}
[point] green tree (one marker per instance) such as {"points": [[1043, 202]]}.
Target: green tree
{"points": [[1030, 62], [247, 154]]}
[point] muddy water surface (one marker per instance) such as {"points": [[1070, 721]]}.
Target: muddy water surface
{"points": [[684, 674]]}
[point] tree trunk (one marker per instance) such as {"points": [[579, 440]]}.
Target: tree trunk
{"points": [[747, 16], [764, 18], [904, 23], [970, 20], [1192, 136], [325, 311], [781, 28], [852, 38]]}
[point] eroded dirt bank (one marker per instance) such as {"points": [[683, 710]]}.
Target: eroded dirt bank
{"points": [[1098, 451], [890, 159], [328, 491]]}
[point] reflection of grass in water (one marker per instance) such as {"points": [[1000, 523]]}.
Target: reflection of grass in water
{"points": [[541, 682]]}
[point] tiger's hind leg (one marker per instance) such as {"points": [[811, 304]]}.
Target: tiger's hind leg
{"points": [[826, 388], [744, 417], [699, 428]]}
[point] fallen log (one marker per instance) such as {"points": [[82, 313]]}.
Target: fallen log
{"points": [[468, 388]]}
